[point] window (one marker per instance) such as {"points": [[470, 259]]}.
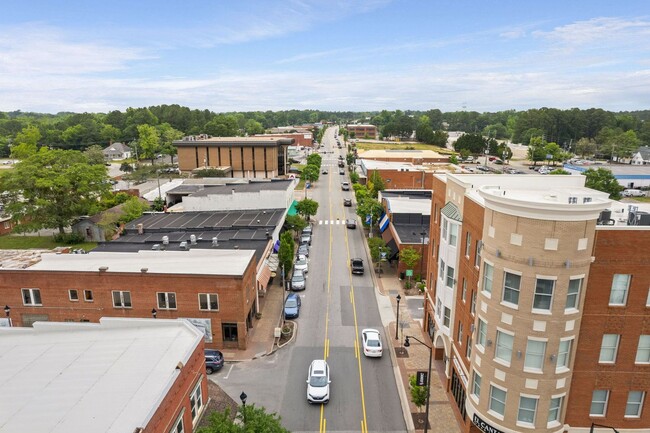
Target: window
{"points": [[527, 409], [504, 346], [468, 244], [476, 384], [453, 234], [178, 425], [573, 294], [473, 306], [464, 291], [460, 333], [599, 402], [73, 295], [555, 409], [497, 400], [445, 224], [634, 404], [488, 270], [482, 333], [643, 350], [450, 277], [229, 331], [208, 302], [477, 259], [608, 348], [535, 351], [438, 307], [618, 294], [543, 294], [121, 299], [511, 285], [447, 317], [32, 297], [468, 350], [88, 296], [564, 354], [647, 300], [166, 300], [196, 402]]}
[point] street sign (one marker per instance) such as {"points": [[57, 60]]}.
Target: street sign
{"points": [[421, 378], [409, 272]]}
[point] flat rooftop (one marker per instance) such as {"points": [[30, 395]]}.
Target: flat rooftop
{"points": [[208, 220], [399, 153], [397, 205], [236, 141], [89, 377], [275, 185], [194, 261]]}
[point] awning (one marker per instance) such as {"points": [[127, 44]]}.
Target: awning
{"points": [[451, 211], [394, 251], [292, 210], [263, 276], [273, 262]]}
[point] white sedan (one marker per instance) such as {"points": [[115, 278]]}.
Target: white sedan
{"points": [[302, 264], [371, 343]]}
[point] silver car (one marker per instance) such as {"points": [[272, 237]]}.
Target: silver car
{"points": [[298, 280]]}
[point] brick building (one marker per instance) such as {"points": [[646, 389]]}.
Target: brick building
{"points": [[136, 375], [398, 175], [214, 289], [362, 131], [536, 304], [415, 157], [301, 138], [248, 157]]}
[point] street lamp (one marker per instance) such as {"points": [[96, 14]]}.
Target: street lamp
{"points": [[154, 313], [407, 344], [591, 430], [399, 298], [243, 397]]}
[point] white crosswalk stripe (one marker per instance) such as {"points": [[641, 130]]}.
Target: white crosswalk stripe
{"points": [[331, 222]]}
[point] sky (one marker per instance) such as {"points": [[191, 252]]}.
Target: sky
{"points": [[334, 55]]}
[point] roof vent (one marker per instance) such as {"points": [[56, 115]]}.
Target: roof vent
{"points": [[144, 270], [140, 228], [193, 239], [183, 246], [155, 247], [103, 268], [165, 240], [215, 242]]}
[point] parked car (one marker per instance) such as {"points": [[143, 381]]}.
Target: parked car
{"points": [[302, 264], [347, 202], [357, 266], [318, 382], [213, 360], [305, 238], [303, 250], [307, 230], [543, 170], [371, 343], [341, 164], [298, 280], [324, 172], [482, 168], [342, 172], [631, 192], [292, 306], [351, 223], [345, 186]]}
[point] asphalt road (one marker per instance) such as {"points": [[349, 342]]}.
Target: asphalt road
{"points": [[336, 306]]}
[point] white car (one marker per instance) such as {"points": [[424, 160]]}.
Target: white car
{"points": [[302, 264], [318, 382], [371, 343], [630, 192]]}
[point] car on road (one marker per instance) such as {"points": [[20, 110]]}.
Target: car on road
{"points": [[307, 230], [302, 264], [347, 202], [324, 172], [351, 223], [341, 164], [371, 343], [357, 266], [298, 280], [631, 192], [345, 186], [482, 168], [292, 306], [305, 238], [213, 360], [342, 172], [303, 250], [318, 382]]}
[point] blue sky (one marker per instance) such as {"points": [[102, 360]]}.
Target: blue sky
{"points": [[339, 55]]}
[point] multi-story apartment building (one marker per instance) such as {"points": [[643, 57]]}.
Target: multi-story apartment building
{"points": [[538, 303], [362, 131]]}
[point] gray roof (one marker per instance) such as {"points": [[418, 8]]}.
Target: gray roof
{"points": [[410, 233], [197, 221], [645, 152], [451, 211], [275, 185], [117, 147]]}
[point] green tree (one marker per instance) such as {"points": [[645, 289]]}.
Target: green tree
{"points": [[603, 180], [369, 206], [95, 155], [257, 420], [555, 151], [158, 204], [307, 207], [424, 131], [149, 142], [376, 246], [474, 143], [410, 257], [222, 126], [109, 133], [286, 251], [167, 136], [354, 177], [439, 138], [585, 147], [418, 393], [310, 173], [560, 171], [536, 150], [126, 167], [296, 223], [26, 142], [377, 184], [315, 159], [349, 158], [253, 127], [133, 209], [51, 188]]}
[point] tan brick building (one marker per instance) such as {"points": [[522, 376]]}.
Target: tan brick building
{"points": [[247, 157], [537, 312], [362, 131]]}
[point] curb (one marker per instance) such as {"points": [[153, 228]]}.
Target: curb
{"points": [[403, 398]]}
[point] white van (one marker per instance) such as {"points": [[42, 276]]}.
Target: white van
{"points": [[633, 193]]}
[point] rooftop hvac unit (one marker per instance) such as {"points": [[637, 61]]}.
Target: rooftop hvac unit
{"points": [[165, 240], [638, 218], [605, 217], [183, 246], [140, 228], [193, 239], [215, 242], [155, 247]]}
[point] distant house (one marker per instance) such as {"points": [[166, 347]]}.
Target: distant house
{"points": [[641, 156], [101, 226], [117, 151]]}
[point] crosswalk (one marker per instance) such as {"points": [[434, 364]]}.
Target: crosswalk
{"points": [[331, 222]]}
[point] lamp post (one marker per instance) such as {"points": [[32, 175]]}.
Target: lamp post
{"points": [[243, 397], [154, 313], [591, 430], [399, 298], [7, 312], [407, 344]]}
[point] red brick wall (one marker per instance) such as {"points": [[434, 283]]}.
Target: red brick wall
{"points": [[233, 294], [299, 138], [616, 252], [178, 397], [405, 179]]}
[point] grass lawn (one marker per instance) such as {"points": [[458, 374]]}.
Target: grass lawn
{"points": [[301, 184], [401, 146], [20, 242]]}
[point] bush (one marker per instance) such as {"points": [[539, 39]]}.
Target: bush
{"points": [[69, 238]]}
